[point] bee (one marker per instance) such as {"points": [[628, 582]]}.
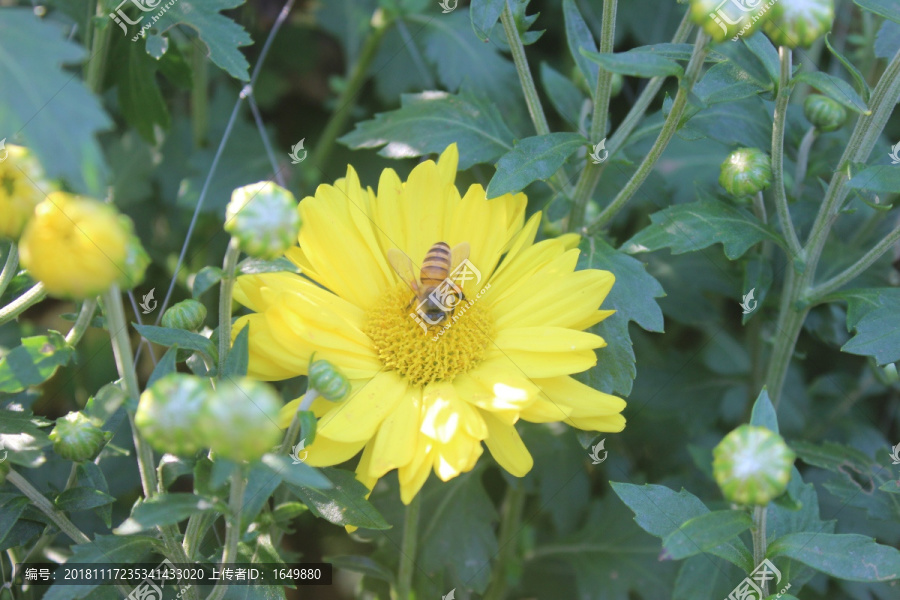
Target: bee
{"points": [[440, 261]]}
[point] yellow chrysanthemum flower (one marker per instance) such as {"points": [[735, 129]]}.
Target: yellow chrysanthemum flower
{"points": [[21, 178], [78, 247], [422, 400]]}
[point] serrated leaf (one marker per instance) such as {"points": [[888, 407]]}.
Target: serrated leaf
{"points": [[299, 474], [705, 532], [886, 8], [835, 88], [343, 504], [34, 361], [842, 555], [427, 123], [763, 414], [104, 549], [166, 336], [578, 37], [82, 498], [164, 509], [222, 36], [635, 63], [725, 82], [140, 98], [878, 178], [615, 370], [533, 158], [872, 313], [698, 225], [59, 127], [484, 15]]}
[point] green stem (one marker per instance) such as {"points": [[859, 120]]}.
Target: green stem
{"points": [[857, 268], [226, 292], [509, 529], [85, 315], [291, 435], [809, 139], [759, 539], [673, 121], [9, 267], [22, 303], [200, 95], [782, 98], [233, 526], [345, 101], [45, 506], [96, 66], [408, 549], [525, 79]]}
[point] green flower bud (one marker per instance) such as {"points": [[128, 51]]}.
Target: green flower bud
{"points": [[328, 381], [824, 113], [752, 465], [169, 411], [796, 23], [263, 217], [727, 20], [187, 314], [745, 172], [77, 437], [240, 420]]}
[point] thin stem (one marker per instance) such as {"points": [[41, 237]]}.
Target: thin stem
{"points": [[199, 95], [233, 526], [787, 330], [857, 268], [781, 104], [809, 139], [408, 549], [759, 208], [82, 322], [509, 528], [673, 121], [46, 507], [257, 117], [22, 303], [96, 66], [294, 429], [346, 100], [525, 79], [225, 296], [604, 79], [9, 267], [759, 539]]}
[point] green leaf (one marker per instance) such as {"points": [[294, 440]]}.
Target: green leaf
{"points": [[82, 498], [579, 37], [564, 95], [205, 279], [705, 532], [887, 42], [763, 414], [427, 123], [104, 549], [886, 8], [238, 359], [300, 474], [758, 278], [34, 362], [843, 555], [878, 178], [858, 78], [484, 15], [166, 336], [59, 127], [767, 54], [140, 98], [615, 370], [725, 82], [458, 532], [835, 88], [872, 313], [308, 425], [9, 514], [22, 438], [343, 504], [635, 63], [362, 564], [164, 509], [165, 366], [660, 511], [534, 158], [698, 225], [222, 36]]}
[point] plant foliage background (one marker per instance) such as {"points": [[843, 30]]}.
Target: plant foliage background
{"points": [[168, 125]]}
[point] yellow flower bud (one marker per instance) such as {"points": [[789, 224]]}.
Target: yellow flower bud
{"points": [[21, 185], [78, 247]]}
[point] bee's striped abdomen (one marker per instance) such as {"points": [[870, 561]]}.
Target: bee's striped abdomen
{"points": [[436, 265]]}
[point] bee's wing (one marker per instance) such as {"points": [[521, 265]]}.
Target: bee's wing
{"points": [[459, 253], [404, 267]]}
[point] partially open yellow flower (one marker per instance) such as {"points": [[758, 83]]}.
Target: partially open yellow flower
{"points": [[425, 397], [78, 247], [21, 180]]}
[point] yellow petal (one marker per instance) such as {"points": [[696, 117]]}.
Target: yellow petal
{"points": [[395, 443], [547, 339], [507, 447], [358, 417]]}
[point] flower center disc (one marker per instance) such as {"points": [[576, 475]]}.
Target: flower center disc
{"points": [[438, 353]]}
